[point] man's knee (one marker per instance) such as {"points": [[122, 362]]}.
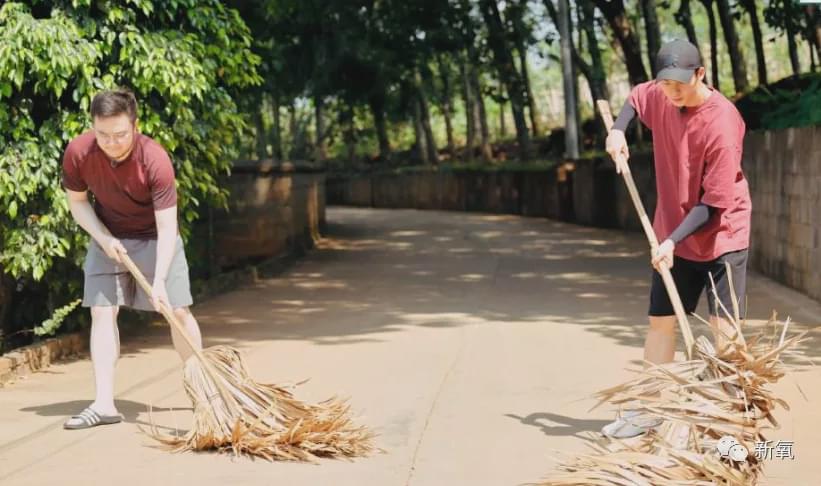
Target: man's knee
{"points": [[182, 313], [104, 314], [666, 324]]}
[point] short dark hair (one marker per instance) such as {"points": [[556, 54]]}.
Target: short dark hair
{"points": [[113, 102]]}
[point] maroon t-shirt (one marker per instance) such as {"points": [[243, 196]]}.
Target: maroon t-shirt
{"points": [[126, 194], [698, 158]]}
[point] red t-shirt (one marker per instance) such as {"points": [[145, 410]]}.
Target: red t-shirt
{"points": [[125, 195], [698, 158]]}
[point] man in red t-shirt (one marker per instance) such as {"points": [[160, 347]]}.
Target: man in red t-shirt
{"points": [[135, 211], [702, 216]]}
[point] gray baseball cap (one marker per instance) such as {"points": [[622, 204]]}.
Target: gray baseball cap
{"points": [[677, 60]]}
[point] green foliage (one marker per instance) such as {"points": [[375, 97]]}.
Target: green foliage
{"points": [[790, 102], [186, 60], [794, 108], [787, 16], [49, 326]]}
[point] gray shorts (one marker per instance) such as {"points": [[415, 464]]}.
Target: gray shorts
{"points": [[108, 283]]}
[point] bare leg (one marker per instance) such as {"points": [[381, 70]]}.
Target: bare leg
{"points": [[659, 348], [192, 328], [660, 344], [105, 350], [723, 331]]}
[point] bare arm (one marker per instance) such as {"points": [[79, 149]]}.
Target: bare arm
{"points": [[86, 217], [166, 241]]}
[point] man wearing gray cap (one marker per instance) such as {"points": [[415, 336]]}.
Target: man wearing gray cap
{"points": [[703, 209]]}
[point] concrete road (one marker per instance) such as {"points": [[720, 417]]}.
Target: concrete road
{"points": [[470, 343]]}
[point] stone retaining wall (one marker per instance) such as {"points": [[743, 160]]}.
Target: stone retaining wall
{"points": [[273, 209], [784, 170]]}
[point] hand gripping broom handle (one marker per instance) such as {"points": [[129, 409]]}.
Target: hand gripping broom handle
{"points": [[678, 307]]}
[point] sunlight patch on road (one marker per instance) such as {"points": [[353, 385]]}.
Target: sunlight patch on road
{"points": [[488, 234], [469, 277], [526, 275], [440, 318], [326, 284], [591, 295]]}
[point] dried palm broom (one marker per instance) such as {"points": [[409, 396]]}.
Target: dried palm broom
{"points": [[715, 393], [234, 413], [719, 393]]}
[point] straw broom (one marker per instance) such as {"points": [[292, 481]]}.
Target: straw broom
{"points": [[234, 413], [714, 394]]}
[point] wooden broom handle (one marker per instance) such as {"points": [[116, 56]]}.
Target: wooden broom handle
{"points": [[669, 283], [223, 392], [164, 310]]}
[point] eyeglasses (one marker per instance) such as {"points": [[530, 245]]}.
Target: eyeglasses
{"points": [[114, 137]]}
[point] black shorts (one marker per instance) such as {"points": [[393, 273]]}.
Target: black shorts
{"points": [[693, 277]]}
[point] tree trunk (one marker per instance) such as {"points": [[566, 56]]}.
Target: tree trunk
{"points": [[321, 144], [531, 100], [758, 40], [684, 16], [470, 109], [598, 75], [349, 125], [708, 5], [276, 136], [480, 127], [502, 127], [292, 128], [613, 11], [595, 76], [481, 111], [793, 48], [734, 46], [430, 142], [259, 128], [419, 132], [813, 34], [651, 29], [447, 108], [812, 12], [377, 104], [571, 136], [507, 73], [521, 48], [7, 286]]}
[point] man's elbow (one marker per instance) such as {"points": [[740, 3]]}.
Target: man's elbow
{"points": [[164, 227], [75, 197], [166, 221]]}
